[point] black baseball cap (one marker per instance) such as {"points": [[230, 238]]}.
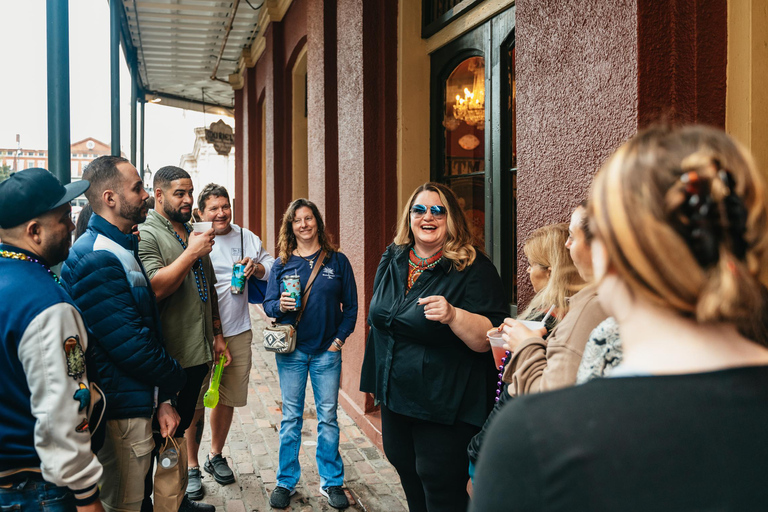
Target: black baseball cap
{"points": [[32, 192]]}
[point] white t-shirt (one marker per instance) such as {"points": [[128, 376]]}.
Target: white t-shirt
{"points": [[233, 309]]}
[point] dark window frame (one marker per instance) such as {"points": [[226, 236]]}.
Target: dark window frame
{"points": [[491, 40], [432, 25]]}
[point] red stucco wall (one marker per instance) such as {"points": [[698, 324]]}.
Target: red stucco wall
{"points": [[322, 109], [682, 58], [367, 126], [253, 144], [240, 185], [576, 102]]}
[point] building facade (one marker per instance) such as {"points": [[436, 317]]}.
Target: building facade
{"points": [[206, 166], [514, 104], [82, 153], [354, 103]]}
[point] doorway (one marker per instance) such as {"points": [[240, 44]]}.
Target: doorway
{"points": [[472, 148]]}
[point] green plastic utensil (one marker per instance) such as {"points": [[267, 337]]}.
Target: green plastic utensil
{"points": [[211, 397]]}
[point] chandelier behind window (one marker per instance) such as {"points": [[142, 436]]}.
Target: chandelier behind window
{"points": [[471, 108]]}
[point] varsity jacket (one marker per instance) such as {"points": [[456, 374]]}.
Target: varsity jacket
{"points": [[46, 394], [108, 283]]}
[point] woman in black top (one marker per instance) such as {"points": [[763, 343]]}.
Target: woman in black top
{"points": [[427, 359], [681, 231]]}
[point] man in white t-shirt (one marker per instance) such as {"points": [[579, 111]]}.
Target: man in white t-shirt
{"points": [[233, 245]]}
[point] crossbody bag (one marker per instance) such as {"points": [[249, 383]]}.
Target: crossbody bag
{"points": [[281, 338]]}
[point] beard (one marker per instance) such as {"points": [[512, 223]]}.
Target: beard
{"points": [[54, 251], [177, 215], [136, 214]]}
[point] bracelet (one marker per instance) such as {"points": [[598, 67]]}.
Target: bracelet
{"points": [[338, 343]]}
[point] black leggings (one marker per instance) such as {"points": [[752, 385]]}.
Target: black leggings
{"points": [[185, 406], [431, 459]]}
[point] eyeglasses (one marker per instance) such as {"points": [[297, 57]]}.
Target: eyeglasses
{"points": [[419, 210]]}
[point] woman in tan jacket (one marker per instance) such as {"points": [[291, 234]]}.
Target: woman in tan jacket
{"points": [[540, 364]]}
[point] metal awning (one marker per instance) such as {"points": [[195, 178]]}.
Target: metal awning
{"points": [[185, 50]]}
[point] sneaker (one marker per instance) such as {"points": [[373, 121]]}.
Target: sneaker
{"points": [[217, 466], [337, 498], [191, 506], [195, 484], [281, 497]]}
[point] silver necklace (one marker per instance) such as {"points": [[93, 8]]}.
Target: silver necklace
{"points": [[311, 260]]}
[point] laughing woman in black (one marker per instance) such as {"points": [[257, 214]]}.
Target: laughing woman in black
{"points": [[427, 359]]}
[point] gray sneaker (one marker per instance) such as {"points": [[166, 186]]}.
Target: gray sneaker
{"points": [[281, 497], [195, 484], [337, 498]]}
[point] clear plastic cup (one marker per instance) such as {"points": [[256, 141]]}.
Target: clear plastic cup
{"points": [[497, 347]]}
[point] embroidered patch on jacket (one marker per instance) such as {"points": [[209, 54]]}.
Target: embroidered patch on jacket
{"points": [[83, 395], [75, 357], [82, 427]]}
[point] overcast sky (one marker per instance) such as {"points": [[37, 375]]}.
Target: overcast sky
{"points": [[23, 87]]}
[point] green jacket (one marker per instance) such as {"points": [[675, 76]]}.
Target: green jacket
{"points": [[187, 321]]}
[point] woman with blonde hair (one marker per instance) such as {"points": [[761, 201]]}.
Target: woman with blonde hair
{"points": [[553, 275], [680, 235], [328, 317], [427, 360], [555, 279]]}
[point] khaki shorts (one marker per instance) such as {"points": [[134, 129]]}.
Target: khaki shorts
{"points": [[126, 456], [233, 390]]}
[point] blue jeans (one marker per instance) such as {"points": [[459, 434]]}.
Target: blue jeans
{"points": [[38, 496], [324, 371]]}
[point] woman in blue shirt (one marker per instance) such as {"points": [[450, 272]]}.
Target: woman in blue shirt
{"points": [[328, 319]]}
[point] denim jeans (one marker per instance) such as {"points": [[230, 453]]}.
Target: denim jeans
{"points": [[36, 496], [324, 371]]}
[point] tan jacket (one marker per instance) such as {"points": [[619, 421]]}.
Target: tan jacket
{"points": [[540, 365]]}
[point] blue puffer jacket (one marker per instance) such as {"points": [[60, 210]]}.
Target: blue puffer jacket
{"points": [[105, 278]]}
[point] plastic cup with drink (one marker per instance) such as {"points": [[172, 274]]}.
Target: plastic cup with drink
{"points": [[201, 227], [497, 341], [497, 347]]}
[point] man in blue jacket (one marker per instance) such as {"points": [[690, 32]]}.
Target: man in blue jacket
{"points": [[109, 285]]}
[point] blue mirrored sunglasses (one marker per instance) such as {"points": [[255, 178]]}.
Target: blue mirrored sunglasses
{"points": [[419, 210]]}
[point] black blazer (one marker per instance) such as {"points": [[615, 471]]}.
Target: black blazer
{"points": [[418, 367]]}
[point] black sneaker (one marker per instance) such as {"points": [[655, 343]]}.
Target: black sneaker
{"points": [[336, 496], [281, 497], [195, 484], [217, 466], [191, 506]]}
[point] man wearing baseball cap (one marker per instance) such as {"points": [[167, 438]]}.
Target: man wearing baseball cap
{"points": [[44, 412]]}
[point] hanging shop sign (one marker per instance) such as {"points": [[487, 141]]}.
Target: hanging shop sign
{"points": [[222, 136]]}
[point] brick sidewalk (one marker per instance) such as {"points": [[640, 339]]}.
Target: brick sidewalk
{"points": [[252, 449]]}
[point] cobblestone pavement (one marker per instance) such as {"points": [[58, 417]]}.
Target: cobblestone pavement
{"points": [[251, 450]]}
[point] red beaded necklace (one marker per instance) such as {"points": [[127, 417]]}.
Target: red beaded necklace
{"points": [[417, 265]]}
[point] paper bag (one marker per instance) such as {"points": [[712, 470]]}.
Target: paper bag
{"points": [[171, 483]]}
